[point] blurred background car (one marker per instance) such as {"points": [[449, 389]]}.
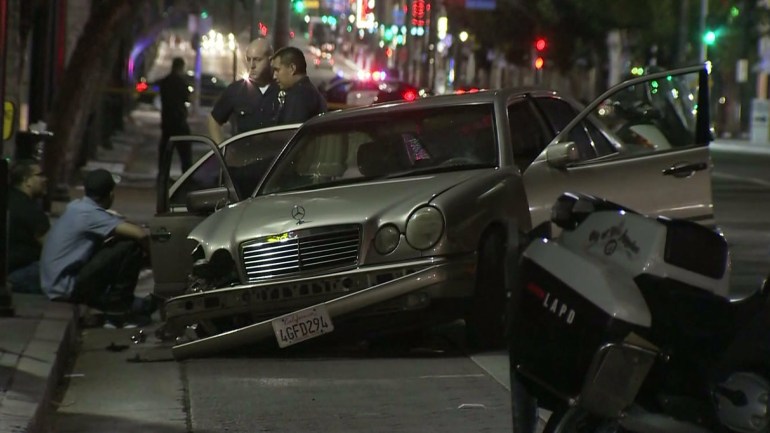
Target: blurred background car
{"points": [[366, 91], [324, 59], [211, 87]]}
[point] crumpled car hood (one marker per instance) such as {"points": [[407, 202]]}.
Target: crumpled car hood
{"points": [[391, 199]]}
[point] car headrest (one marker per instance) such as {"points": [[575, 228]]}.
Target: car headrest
{"points": [[370, 159], [380, 158]]}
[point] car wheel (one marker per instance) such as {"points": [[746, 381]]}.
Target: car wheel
{"points": [[485, 319]]}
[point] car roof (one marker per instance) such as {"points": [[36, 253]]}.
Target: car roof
{"points": [[499, 96]]}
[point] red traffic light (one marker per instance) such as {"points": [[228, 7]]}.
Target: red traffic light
{"points": [[539, 63], [540, 44], [141, 86]]}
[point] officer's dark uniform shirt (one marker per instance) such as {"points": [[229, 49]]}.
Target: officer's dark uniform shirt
{"points": [[174, 93], [302, 101], [26, 222], [243, 102]]}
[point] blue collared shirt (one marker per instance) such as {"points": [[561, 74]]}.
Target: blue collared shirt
{"points": [[71, 242]]}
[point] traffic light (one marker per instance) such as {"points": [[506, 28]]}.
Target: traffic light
{"points": [[540, 46], [710, 37], [298, 6]]}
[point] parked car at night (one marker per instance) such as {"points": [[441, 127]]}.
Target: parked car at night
{"points": [[362, 92], [403, 208], [211, 87]]}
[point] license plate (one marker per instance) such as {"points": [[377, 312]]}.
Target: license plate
{"points": [[302, 325]]}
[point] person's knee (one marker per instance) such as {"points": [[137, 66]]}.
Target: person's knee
{"points": [[124, 245]]}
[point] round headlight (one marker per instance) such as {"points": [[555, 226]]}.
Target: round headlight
{"points": [[386, 239], [424, 227]]}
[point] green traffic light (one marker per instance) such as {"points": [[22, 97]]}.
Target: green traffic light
{"points": [[204, 15], [710, 37], [299, 6]]}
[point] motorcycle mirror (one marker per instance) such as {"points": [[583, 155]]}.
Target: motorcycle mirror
{"points": [[570, 210]]}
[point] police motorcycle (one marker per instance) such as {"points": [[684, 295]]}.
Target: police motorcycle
{"points": [[625, 323]]}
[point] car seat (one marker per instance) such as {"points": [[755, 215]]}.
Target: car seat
{"points": [[379, 159]]}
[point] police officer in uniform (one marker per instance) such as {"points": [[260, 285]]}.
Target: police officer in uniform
{"points": [[251, 103]]}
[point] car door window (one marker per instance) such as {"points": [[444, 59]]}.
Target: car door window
{"points": [[559, 113], [205, 175], [249, 158], [654, 115], [528, 137]]}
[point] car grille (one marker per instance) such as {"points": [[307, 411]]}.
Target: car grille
{"points": [[301, 251]]}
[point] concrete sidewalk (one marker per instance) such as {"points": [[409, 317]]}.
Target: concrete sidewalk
{"points": [[34, 347], [37, 342]]}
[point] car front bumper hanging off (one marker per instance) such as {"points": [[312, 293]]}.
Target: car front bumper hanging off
{"points": [[416, 281]]}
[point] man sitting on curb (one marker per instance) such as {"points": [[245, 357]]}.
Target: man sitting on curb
{"points": [[93, 256], [27, 225]]}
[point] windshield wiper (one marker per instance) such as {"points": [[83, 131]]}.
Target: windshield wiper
{"points": [[438, 169], [331, 183]]}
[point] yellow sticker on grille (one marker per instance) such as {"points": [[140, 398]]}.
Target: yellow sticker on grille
{"points": [[278, 238]]}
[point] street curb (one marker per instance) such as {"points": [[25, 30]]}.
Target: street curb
{"points": [[27, 405]]}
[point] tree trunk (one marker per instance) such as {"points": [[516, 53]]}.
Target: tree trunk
{"points": [[83, 78]]}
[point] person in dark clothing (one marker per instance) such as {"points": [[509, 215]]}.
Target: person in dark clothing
{"points": [[251, 103], [93, 256], [301, 99], [27, 225], [174, 96]]}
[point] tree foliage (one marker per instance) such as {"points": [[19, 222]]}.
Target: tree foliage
{"points": [[86, 70]]}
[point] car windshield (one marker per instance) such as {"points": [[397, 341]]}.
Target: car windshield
{"points": [[387, 144]]}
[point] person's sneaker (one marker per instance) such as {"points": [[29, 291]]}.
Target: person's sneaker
{"points": [[112, 322], [137, 321], [148, 305]]}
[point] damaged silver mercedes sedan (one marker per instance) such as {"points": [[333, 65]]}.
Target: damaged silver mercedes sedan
{"points": [[399, 209]]}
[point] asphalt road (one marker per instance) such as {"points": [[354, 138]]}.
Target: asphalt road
{"points": [[414, 383], [741, 191]]}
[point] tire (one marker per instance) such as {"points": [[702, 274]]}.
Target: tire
{"points": [[485, 320]]}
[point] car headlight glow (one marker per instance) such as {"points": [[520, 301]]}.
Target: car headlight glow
{"points": [[387, 238], [424, 227]]}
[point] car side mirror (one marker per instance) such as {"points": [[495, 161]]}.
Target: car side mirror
{"points": [[559, 155], [207, 200]]}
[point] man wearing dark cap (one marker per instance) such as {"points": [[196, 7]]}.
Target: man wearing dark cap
{"points": [[93, 256]]}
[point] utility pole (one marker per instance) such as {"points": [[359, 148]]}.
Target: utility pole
{"points": [[281, 27], [6, 302], [255, 6], [704, 9], [681, 42], [234, 30]]}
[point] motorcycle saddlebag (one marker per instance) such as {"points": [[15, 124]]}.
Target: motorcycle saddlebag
{"points": [[563, 345]]}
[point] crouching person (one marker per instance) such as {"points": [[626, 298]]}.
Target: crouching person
{"points": [[93, 256]]}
